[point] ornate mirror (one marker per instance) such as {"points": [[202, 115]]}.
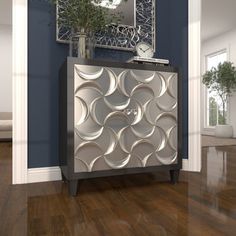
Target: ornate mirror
{"points": [[138, 24]]}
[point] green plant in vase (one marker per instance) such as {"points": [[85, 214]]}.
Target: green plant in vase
{"points": [[84, 18], [221, 80]]}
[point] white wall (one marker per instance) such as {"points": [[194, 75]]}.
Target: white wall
{"points": [[5, 12], [5, 68], [225, 41], [5, 55]]}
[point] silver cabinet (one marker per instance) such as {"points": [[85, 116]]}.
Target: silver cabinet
{"points": [[118, 119]]}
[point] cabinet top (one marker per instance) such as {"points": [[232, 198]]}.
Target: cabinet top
{"points": [[74, 60]]}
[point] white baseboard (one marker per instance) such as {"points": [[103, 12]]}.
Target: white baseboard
{"points": [[46, 174], [208, 131], [36, 175], [192, 167], [185, 165]]}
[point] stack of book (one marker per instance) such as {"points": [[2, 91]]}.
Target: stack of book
{"points": [[138, 59]]}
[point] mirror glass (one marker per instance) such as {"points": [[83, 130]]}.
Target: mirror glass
{"points": [[127, 9], [137, 25]]}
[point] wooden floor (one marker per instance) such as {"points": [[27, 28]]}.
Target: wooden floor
{"points": [[146, 204]]}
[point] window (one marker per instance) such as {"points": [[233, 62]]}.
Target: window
{"points": [[214, 109]]}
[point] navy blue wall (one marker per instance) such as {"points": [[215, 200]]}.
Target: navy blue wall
{"points": [[179, 55], [46, 56]]}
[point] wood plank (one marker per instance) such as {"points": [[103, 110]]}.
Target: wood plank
{"points": [[141, 204]]}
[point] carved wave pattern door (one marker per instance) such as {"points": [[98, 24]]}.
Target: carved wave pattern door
{"points": [[124, 118]]}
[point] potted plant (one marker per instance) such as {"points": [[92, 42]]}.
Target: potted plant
{"points": [[84, 18], [222, 80]]}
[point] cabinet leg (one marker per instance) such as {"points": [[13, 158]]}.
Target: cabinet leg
{"points": [[63, 177], [73, 187], [174, 176]]}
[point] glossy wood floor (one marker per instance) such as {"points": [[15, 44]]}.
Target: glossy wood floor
{"points": [[147, 204]]}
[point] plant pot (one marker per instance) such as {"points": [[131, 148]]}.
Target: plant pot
{"points": [[224, 131]]}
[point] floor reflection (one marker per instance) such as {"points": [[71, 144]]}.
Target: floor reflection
{"points": [[146, 204], [216, 164], [211, 193], [138, 205]]}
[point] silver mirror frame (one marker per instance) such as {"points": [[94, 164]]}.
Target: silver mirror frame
{"points": [[121, 37]]}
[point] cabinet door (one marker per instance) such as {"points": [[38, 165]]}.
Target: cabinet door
{"points": [[124, 118]]}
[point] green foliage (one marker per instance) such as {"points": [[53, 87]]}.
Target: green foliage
{"points": [[221, 118], [223, 81], [212, 112], [86, 16]]}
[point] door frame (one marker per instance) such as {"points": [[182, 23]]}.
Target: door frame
{"points": [[20, 90], [193, 163]]}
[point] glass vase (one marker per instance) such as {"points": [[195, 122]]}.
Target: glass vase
{"points": [[82, 45]]}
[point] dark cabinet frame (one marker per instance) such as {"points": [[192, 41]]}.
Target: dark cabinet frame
{"points": [[66, 124]]}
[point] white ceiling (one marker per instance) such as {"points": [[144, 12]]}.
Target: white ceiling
{"points": [[6, 12], [218, 16]]}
